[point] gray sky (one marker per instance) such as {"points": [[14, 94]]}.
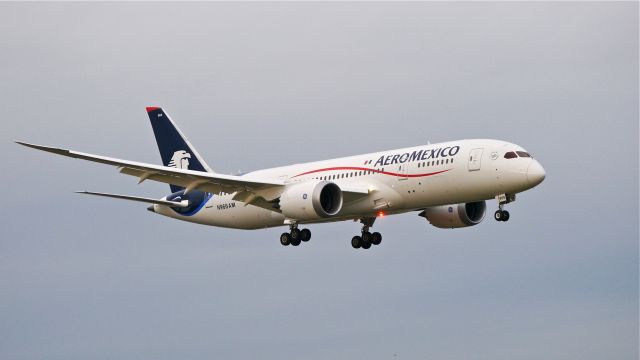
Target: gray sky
{"points": [[260, 85]]}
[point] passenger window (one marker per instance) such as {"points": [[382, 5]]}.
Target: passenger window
{"points": [[510, 155], [523, 154]]}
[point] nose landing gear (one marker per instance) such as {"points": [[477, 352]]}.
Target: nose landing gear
{"points": [[501, 215], [503, 199]]}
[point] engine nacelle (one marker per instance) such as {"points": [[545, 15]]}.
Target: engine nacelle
{"points": [[311, 200], [456, 215]]}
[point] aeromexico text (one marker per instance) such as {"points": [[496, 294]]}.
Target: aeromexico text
{"points": [[418, 155]]}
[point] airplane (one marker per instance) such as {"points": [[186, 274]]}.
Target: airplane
{"points": [[446, 183]]}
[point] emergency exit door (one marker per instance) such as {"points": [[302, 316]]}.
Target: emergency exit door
{"points": [[475, 157]]}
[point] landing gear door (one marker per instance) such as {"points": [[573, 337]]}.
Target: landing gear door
{"points": [[475, 157]]}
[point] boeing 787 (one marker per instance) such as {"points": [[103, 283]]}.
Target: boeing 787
{"points": [[446, 183]]}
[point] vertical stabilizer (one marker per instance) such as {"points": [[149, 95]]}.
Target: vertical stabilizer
{"points": [[176, 151]]}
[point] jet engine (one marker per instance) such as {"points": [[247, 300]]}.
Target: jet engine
{"points": [[311, 200], [455, 215]]}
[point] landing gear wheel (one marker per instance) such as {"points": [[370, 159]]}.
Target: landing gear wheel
{"points": [[285, 239], [376, 238], [295, 242], [501, 215], [305, 235], [366, 236], [295, 234], [366, 244], [356, 242]]}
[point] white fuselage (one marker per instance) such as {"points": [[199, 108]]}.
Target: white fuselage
{"points": [[397, 181]]}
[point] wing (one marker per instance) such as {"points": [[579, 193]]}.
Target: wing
{"points": [[189, 179]]}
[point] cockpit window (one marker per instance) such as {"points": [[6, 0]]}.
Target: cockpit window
{"points": [[510, 155], [523, 154]]}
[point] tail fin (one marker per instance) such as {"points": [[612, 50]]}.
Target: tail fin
{"points": [[175, 150]]}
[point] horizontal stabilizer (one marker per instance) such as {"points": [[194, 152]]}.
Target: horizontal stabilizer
{"points": [[181, 204]]}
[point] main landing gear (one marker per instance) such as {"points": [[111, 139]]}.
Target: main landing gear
{"points": [[366, 239], [295, 237], [503, 199]]}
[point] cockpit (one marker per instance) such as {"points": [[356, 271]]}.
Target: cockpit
{"points": [[516, 154]]}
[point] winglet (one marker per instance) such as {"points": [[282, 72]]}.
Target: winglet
{"points": [[43, 148]]}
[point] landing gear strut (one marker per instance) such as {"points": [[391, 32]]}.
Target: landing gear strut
{"points": [[366, 239], [503, 199], [295, 236]]}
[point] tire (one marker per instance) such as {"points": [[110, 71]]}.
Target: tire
{"points": [[366, 244], [505, 215], [498, 215], [285, 239], [305, 235], [295, 242], [366, 236], [376, 238], [295, 234], [356, 242]]}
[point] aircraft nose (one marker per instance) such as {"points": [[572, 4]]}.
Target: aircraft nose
{"points": [[535, 173]]}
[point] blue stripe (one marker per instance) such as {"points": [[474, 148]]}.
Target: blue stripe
{"points": [[202, 204]]}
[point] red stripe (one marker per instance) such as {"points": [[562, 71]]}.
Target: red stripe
{"points": [[372, 170], [152, 108]]}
